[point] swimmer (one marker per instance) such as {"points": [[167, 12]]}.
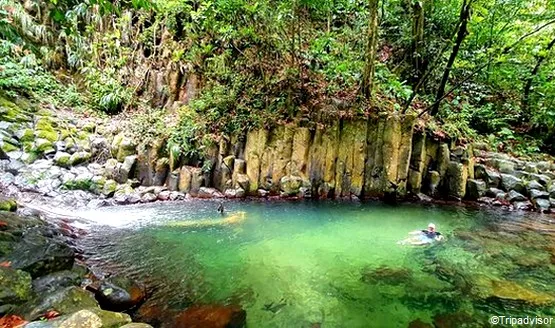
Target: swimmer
{"points": [[423, 237], [221, 208]]}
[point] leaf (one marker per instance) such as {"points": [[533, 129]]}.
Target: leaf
{"points": [[12, 321]]}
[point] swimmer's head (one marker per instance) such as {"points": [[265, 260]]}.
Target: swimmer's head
{"points": [[431, 227]]}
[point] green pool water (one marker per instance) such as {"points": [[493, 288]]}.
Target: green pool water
{"points": [[331, 264]]}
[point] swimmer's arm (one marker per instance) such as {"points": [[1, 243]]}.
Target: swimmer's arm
{"points": [[439, 238], [415, 232]]}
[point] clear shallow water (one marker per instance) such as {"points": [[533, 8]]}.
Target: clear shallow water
{"points": [[300, 264]]}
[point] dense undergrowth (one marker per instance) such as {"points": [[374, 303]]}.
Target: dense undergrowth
{"points": [[263, 62]]}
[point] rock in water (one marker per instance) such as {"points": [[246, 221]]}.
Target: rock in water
{"points": [[212, 316], [119, 294]]}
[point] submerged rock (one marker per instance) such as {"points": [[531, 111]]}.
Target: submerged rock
{"points": [[119, 294], [212, 316], [387, 275]]}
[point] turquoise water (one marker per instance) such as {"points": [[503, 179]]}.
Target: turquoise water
{"points": [[330, 264]]}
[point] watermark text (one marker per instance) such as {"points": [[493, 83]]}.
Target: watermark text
{"points": [[527, 320]]}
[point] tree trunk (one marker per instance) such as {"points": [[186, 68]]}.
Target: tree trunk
{"points": [[417, 55], [528, 85], [461, 35], [371, 50]]}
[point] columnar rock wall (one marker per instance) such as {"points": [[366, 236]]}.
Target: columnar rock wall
{"points": [[373, 158]]}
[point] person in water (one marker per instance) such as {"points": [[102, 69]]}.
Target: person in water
{"points": [[221, 208], [423, 237]]}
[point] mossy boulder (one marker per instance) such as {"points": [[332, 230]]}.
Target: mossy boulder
{"points": [[7, 145], [109, 188], [65, 301], [15, 286], [62, 159], [79, 158], [111, 319], [51, 136], [8, 205], [79, 319], [42, 145], [126, 148]]}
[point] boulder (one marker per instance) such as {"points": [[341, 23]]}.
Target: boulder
{"points": [[65, 301], [62, 159], [290, 185], [534, 185], [15, 286], [164, 195], [530, 168], [205, 192], [119, 294], [538, 194], [542, 204], [475, 189], [79, 158], [522, 205], [148, 197], [111, 319], [56, 280], [505, 166], [509, 182], [109, 188], [544, 179], [125, 170], [40, 256], [126, 148], [495, 193], [41, 146], [212, 316], [514, 196], [8, 205], [79, 319]]}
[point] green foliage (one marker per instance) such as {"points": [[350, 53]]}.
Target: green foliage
{"points": [[148, 126], [188, 138]]}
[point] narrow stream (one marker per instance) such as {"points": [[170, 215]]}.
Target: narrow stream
{"points": [[330, 264]]}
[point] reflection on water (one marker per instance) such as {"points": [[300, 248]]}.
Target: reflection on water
{"points": [[333, 264]]}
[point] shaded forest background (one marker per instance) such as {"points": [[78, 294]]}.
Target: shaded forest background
{"points": [[479, 70]]}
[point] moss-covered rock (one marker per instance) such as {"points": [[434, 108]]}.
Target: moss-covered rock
{"points": [[8, 205], [65, 301], [109, 187], [79, 158], [62, 159], [15, 286], [40, 256], [42, 145], [126, 148], [51, 136], [111, 319]]}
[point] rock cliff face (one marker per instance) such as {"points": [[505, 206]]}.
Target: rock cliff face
{"points": [[374, 158]]}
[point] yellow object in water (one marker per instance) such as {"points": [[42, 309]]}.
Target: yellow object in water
{"points": [[233, 218]]}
